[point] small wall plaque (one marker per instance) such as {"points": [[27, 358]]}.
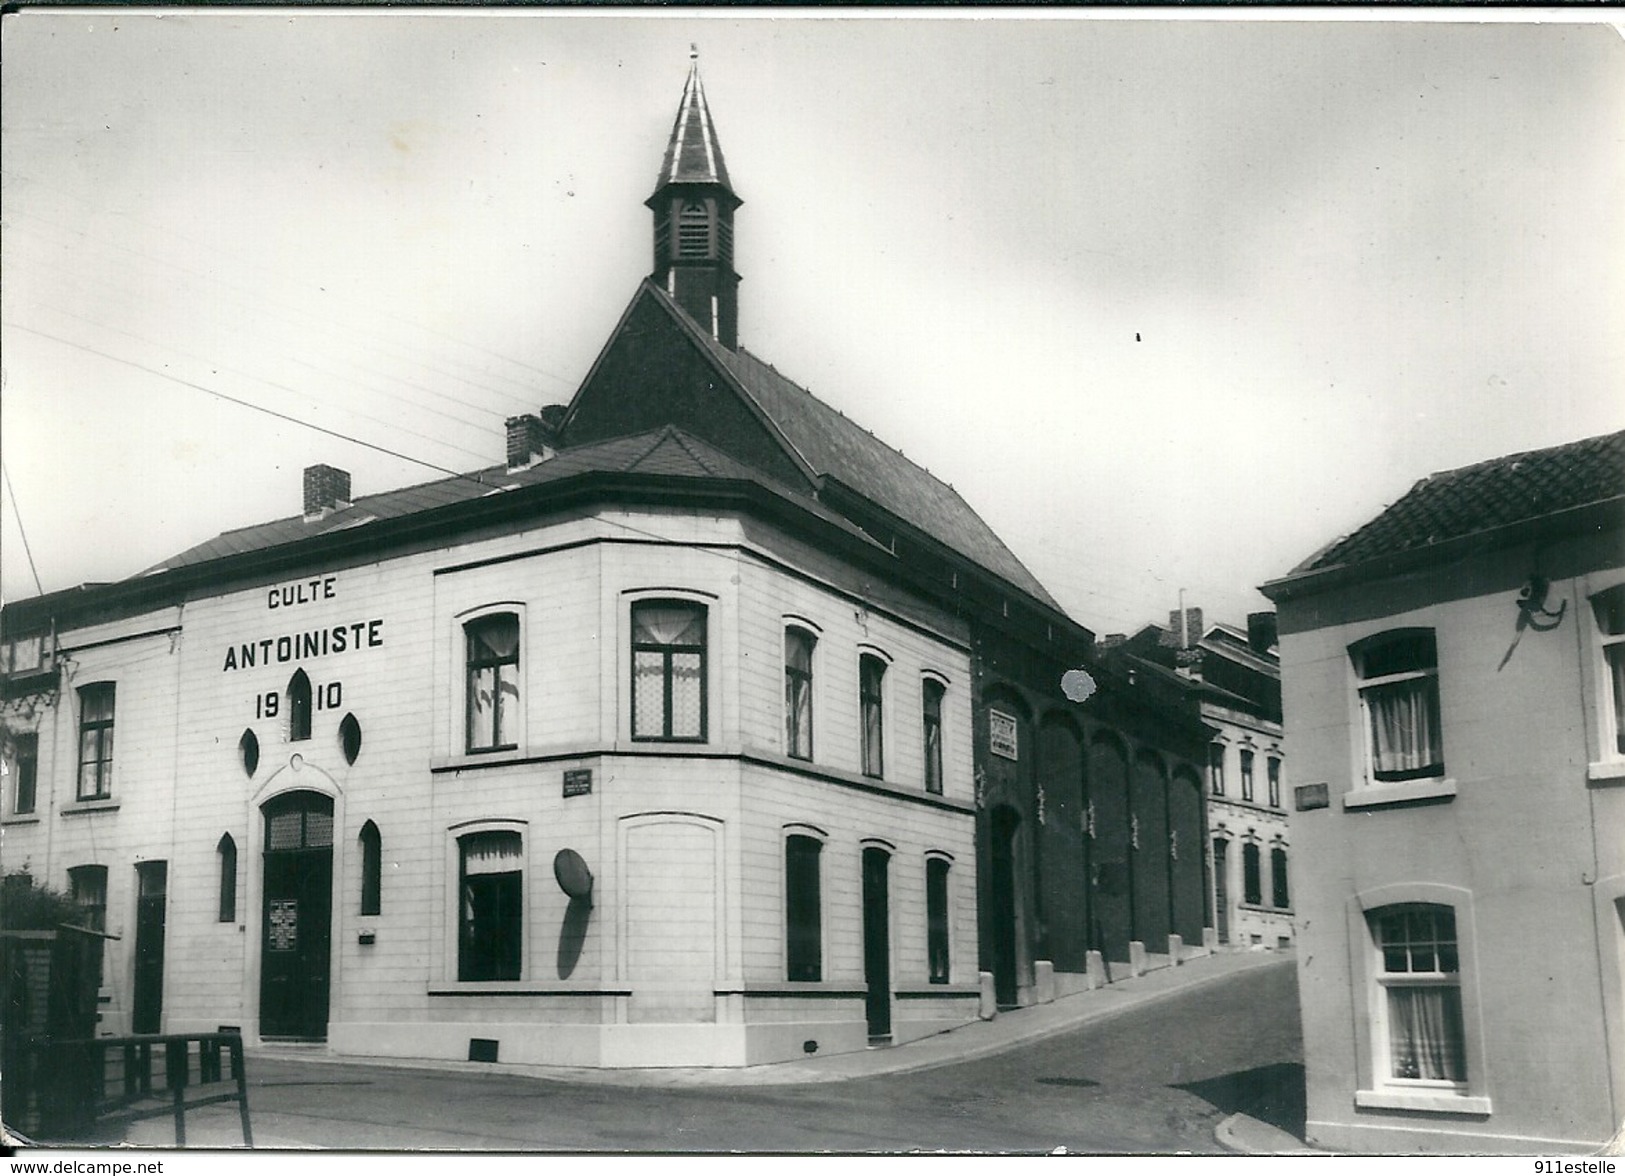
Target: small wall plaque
{"points": [[578, 782], [1312, 796], [1001, 734]]}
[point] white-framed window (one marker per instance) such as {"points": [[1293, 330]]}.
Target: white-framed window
{"points": [[1272, 768], [1398, 674], [798, 692], [803, 907], [1418, 1029], [932, 692], [25, 772], [669, 670], [1215, 768], [490, 905], [492, 697], [872, 713], [1608, 608], [96, 740], [1246, 774]]}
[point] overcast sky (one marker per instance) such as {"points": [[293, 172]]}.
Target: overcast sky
{"points": [[1171, 302]]}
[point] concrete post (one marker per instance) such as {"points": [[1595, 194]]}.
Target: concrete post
{"points": [[1176, 949], [1210, 938], [988, 1006], [1043, 981], [1096, 971], [1136, 958]]}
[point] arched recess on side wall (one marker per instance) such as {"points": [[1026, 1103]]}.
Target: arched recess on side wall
{"points": [[1060, 829], [1107, 826], [1150, 827], [1187, 871]]}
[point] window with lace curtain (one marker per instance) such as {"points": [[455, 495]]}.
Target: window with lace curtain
{"points": [[668, 670], [492, 644], [1419, 1038], [798, 672], [1399, 693], [871, 704], [490, 940]]}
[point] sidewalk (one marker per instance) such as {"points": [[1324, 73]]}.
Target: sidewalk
{"points": [[216, 1127]]}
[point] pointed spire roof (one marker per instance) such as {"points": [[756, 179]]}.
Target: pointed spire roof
{"points": [[693, 156]]}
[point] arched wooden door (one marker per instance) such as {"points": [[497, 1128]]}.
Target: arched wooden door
{"points": [[296, 928]]}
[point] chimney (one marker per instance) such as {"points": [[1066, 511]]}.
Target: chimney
{"points": [[1111, 641], [326, 489], [1183, 637], [1261, 631], [533, 437]]}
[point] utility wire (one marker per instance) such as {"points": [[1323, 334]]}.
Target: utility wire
{"points": [[243, 403], [18, 511]]}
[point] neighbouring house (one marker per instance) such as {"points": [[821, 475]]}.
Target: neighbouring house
{"points": [[1454, 678]]}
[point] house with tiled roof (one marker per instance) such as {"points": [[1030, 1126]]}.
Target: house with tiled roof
{"points": [[706, 729], [1454, 677]]}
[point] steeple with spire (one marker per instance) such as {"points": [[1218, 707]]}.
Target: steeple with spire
{"points": [[693, 206]]}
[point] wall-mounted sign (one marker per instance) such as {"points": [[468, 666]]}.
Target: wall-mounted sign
{"points": [[1001, 734], [1312, 796], [578, 782]]}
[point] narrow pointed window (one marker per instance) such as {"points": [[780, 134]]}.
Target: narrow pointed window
{"points": [[372, 869], [226, 851], [298, 707]]}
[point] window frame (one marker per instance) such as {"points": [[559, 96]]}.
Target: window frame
{"points": [[1272, 773], [667, 650], [103, 730], [226, 858], [1607, 602], [1388, 982], [939, 918], [872, 698], [1252, 874], [371, 844], [1216, 752], [1247, 773], [1280, 880], [501, 726], [25, 768], [794, 678], [931, 732], [462, 920], [804, 934], [1369, 684]]}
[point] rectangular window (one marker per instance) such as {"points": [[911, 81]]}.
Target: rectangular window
{"points": [[932, 702], [1252, 883], [804, 947], [1609, 609], [25, 763], [96, 741], [1246, 775], [1418, 972], [1282, 896], [1273, 767], [1215, 768], [798, 651], [490, 939], [87, 886], [1399, 689], [936, 920], [871, 676], [668, 670], [493, 682]]}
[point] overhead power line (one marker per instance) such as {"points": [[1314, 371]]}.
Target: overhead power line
{"points": [[18, 511], [282, 416]]}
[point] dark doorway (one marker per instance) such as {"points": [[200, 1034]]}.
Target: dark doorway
{"points": [[295, 943], [1002, 891], [1221, 888], [152, 880], [877, 942]]}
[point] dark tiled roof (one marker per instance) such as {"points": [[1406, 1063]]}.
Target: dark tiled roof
{"points": [[693, 156], [1475, 498], [667, 452], [836, 447]]}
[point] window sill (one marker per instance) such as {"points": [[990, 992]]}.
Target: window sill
{"points": [[527, 988], [1432, 1102], [823, 988], [90, 806], [926, 991], [1380, 795], [1261, 909], [1606, 772], [25, 819]]}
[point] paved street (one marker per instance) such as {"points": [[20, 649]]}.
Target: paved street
{"points": [[1156, 1078]]}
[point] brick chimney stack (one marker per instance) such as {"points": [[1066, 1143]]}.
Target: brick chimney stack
{"points": [[1191, 634], [533, 437], [326, 489]]}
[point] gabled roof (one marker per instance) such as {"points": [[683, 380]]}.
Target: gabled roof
{"points": [[667, 452], [837, 448], [693, 156], [1477, 498]]}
